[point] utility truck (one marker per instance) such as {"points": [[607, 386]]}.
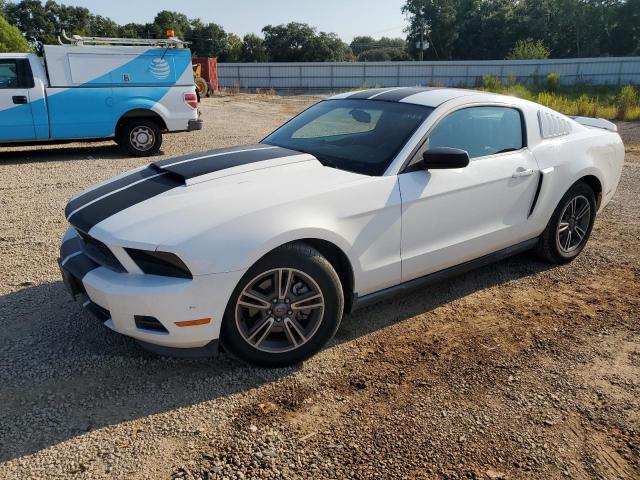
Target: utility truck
{"points": [[128, 90]]}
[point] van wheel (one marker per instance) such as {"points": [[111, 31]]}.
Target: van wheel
{"points": [[140, 137]]}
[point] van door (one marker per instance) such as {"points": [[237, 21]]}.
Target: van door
{"points": [[16, 118]]}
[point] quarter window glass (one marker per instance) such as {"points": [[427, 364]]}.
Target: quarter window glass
{"points": [[8, 74], [480, 131]]}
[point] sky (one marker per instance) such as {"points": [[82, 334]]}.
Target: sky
{"points": [[347, 18]]}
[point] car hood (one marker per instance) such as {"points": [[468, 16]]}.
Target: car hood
{"points": [[173, 200]]}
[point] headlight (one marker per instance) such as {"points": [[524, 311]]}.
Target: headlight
{"points": [[159, 263]]}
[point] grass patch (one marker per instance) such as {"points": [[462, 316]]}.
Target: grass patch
{"points": [[612, 103]]}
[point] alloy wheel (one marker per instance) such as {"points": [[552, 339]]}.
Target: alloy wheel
{"points": [[574, 224], [279, 310]]}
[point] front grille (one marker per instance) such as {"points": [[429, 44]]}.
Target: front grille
{"points": [[100, 253]]}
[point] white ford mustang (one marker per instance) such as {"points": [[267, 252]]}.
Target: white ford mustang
{"points": [[364, 195]]}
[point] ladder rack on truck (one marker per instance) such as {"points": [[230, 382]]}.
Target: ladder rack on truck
{"points": [[170, 42]]}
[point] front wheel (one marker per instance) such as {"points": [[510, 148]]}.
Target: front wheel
{"points": [[570, 226], [140, 137], [285, 308]]}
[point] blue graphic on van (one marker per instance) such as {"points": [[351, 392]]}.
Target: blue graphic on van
{"points": [[159, 68], [153, 67]]}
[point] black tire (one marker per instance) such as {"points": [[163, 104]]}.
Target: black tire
{"points": [[146, 127], [550, 245], [202, 88], [307, 261]]}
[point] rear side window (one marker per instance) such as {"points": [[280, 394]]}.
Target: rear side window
{"points": [[480, 131], [15, 73]]}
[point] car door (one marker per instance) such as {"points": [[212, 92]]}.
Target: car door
{"points": [[16, 119], [451, 216]]}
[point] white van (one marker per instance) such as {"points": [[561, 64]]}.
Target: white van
{"points": [[130, 93]]}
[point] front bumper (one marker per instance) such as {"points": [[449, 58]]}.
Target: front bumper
{"points": [[118, 297], [195, 125]]}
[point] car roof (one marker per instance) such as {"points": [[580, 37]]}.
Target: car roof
{"points": [[427, 96]]}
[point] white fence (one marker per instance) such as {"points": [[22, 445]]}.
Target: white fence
{"points": [[345, 75]]}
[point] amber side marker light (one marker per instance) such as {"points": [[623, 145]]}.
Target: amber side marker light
{"points": [[193, 323]]}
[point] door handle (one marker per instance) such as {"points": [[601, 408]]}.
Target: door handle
{"points": [[523, 173], [20, 99]]}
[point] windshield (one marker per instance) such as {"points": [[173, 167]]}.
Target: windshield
{"points": [[361, 136]]}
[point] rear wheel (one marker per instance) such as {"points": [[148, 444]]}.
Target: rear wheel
{"points": [[285, 308], [570, 226], [140, 137]]}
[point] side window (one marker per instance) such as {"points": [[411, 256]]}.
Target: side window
{"points": [[15, 73], [480, 131], [8, 74]]}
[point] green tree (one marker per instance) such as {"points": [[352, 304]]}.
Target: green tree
{"points": [[528, 49], [386, 54], [168, 20], [233, 52], [288, 43], [436, 20], [11, 40], [329, 47], [74, 20], [368, 49], [625, 35], [208, 40], [362, 44], [103, 27], [299, 42], [253, 49], [32, 20]]}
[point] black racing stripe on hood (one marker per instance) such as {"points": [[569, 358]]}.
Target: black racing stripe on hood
{"points": [[364, 94], [97, 205], [215, 161], [397, 95], [108, 188], [89, 216], [208, 153]]}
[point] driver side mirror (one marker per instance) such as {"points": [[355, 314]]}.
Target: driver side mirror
{"points": [[443, 158]]}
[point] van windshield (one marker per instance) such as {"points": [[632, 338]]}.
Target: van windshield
{"points": [[361, 136]]}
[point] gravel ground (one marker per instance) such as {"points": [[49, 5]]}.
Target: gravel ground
{"points": [[515, 371]]}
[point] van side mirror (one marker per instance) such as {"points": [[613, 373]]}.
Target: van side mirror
{"points": [[443, 158]]}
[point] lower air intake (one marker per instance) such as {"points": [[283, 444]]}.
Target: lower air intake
{"points": [[149, 323]]}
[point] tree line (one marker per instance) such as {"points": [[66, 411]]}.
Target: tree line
{"points": [[490, 29], [453, 29]]}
